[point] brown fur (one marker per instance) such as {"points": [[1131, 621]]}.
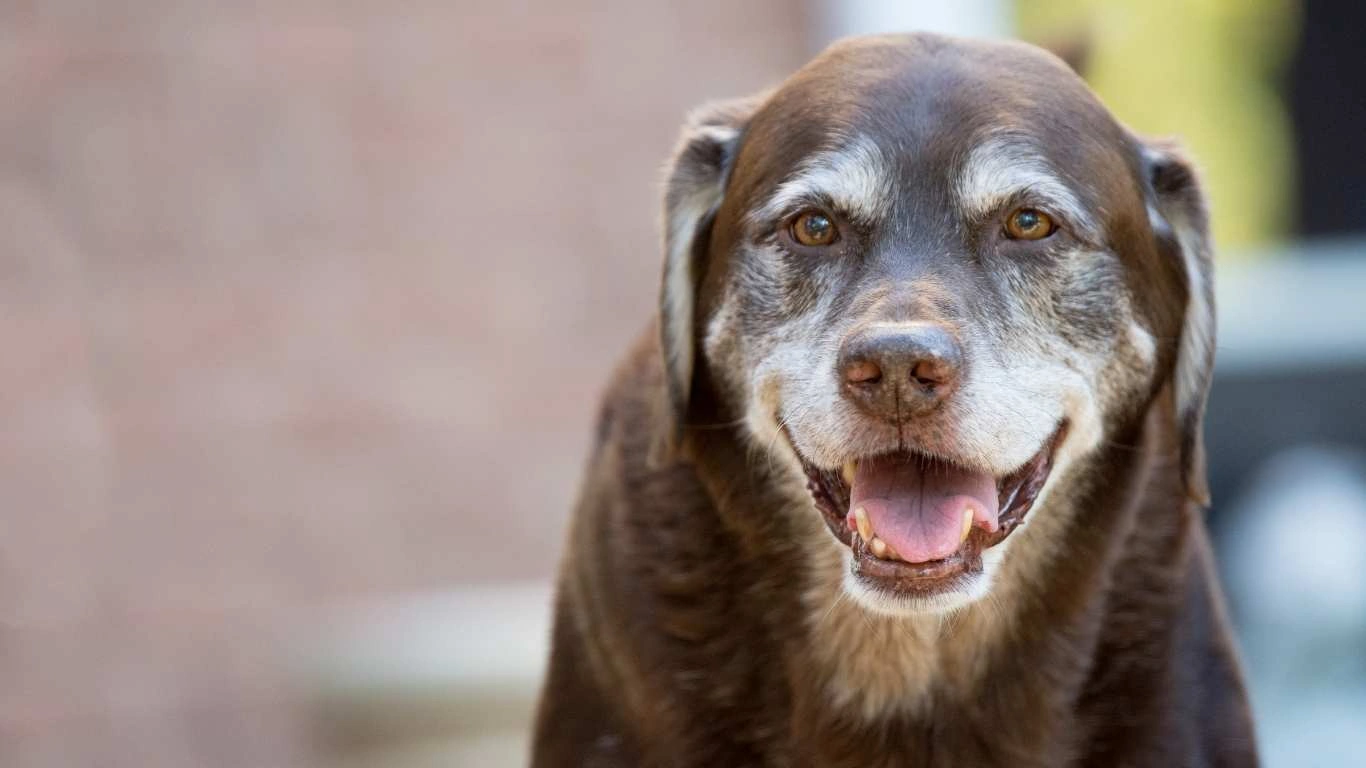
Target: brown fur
{"points": [[699, 621]]}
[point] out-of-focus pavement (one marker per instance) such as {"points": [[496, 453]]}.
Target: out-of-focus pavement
{"points": [[303, 303]]}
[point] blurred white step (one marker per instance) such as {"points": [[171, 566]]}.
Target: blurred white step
{"points": [[443, 679]]}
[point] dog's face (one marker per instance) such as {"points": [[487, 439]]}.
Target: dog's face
{"points": [[932, 276]]}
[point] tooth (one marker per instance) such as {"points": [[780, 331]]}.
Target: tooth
{"points": [[865, 528], [967, 525], [848, 472], [878, 546]]}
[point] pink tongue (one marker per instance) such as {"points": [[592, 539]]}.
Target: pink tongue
{"points": [[917, 505]]}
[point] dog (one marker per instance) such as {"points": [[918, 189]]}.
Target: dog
{"points": [[909, 472]]}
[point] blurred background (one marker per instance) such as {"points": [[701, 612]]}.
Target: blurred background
{"points": [[306, 306]]}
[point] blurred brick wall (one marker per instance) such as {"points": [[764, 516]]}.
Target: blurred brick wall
{"points": [[302, 302]]}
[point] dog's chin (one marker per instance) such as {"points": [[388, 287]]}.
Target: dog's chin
{"points": [[881, 580]]}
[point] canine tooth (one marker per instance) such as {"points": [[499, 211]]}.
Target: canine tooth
{"points": [[865, 528], [848, 471], [878, 546], [967, 525]]}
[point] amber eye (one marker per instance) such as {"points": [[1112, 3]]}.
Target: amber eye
{"points": [[813, 229], [1029, 224]]}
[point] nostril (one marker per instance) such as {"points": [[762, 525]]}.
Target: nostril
{"points": [[932, 373], [863, 372]]}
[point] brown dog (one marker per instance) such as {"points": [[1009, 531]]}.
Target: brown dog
{"points": [[911, 471]]}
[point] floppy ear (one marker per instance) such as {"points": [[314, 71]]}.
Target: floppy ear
{"points": [[1181, 223], [695, 185]]}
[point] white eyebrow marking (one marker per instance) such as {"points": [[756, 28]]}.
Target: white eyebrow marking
{"points": [[1004, 166], [854, 177]]}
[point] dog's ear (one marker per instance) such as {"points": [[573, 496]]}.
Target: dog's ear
{"points": [[1181, 223], [695, 184]]}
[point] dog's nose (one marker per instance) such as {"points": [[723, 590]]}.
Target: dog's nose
{"points": [[896, 371]]}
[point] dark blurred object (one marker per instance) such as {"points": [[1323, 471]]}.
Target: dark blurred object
{"points": [[1291, 365], [1327, 96], [1253, 416]]}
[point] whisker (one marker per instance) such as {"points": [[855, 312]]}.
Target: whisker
{"points": [[840, 595]]}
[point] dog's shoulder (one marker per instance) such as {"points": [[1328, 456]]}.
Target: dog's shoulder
{"points": [[1166, 679], [626, 465], [650, 645]]}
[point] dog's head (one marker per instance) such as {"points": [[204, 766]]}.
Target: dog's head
{"points": [[932, 275]]}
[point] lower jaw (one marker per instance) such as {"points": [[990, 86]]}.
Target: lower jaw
{"points": [[920, 580]]}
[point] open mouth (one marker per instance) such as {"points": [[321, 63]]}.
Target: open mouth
{"points": [[917, 524]]}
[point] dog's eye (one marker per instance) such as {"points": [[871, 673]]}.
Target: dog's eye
{"points": [[1029, 224], [814, 229]]}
